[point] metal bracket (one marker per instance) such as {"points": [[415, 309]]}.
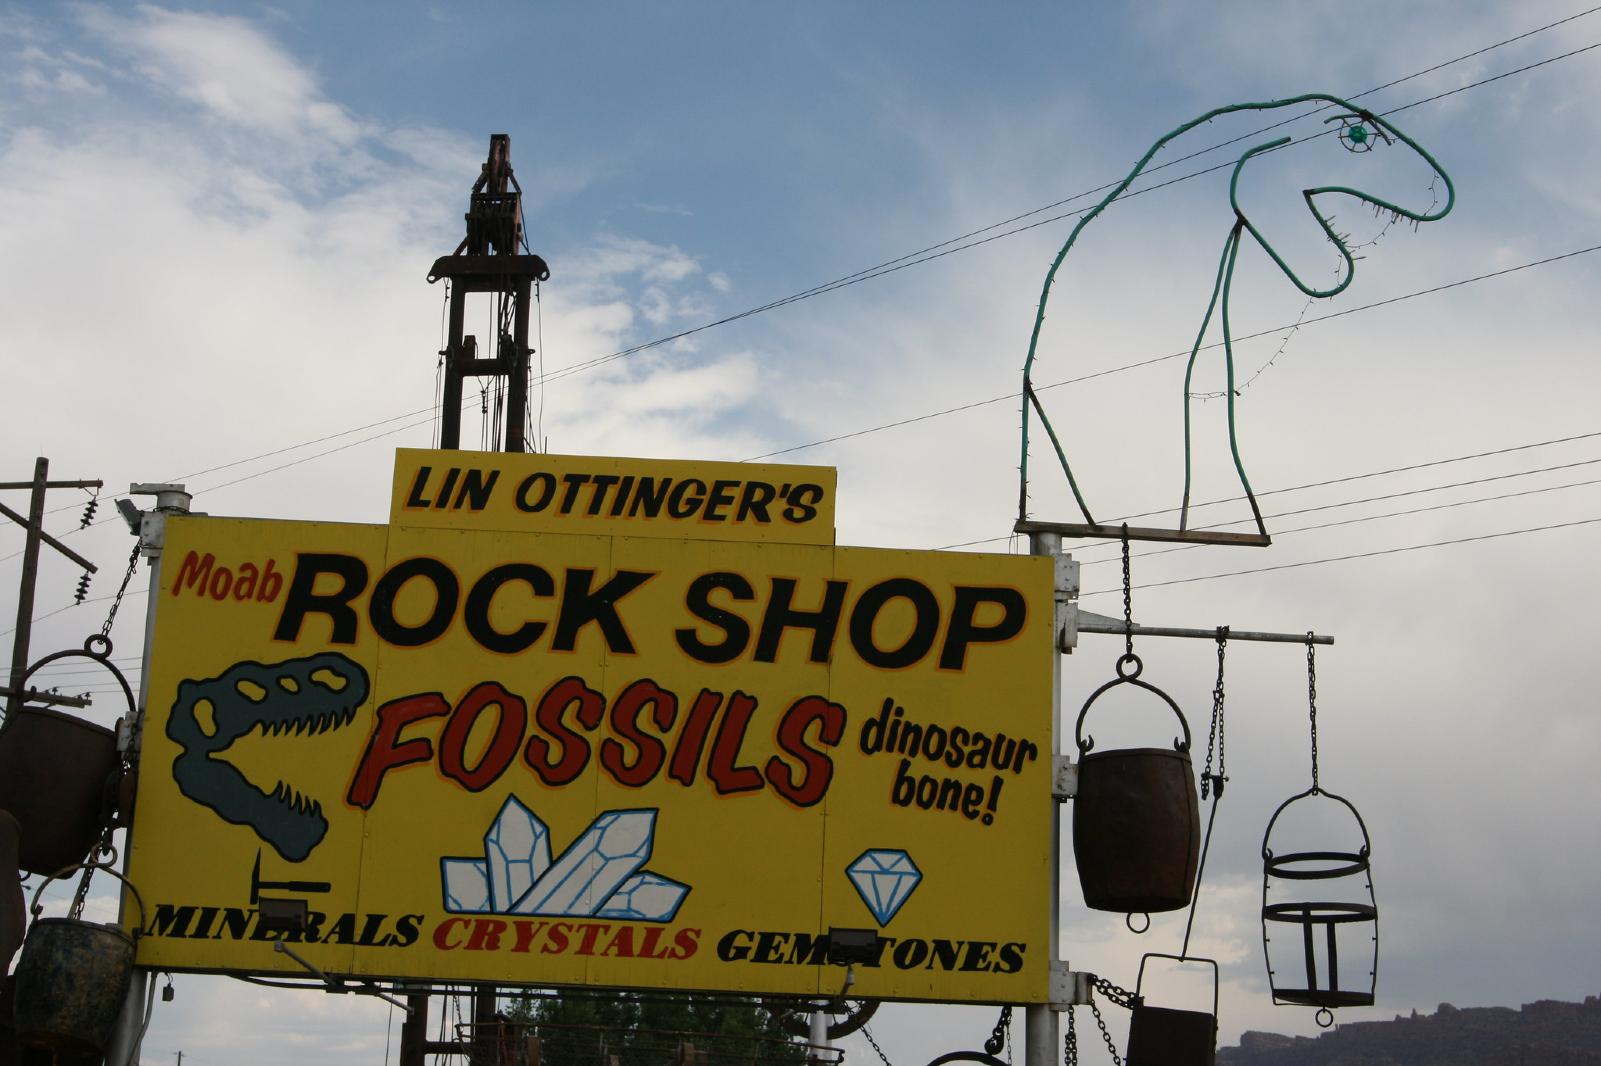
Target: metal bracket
{"points": [[337, 984], [1064, 778], [1067, 588], [1090, 622], [170, 499], [1069, 987]]}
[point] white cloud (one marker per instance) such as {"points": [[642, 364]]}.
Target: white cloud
{"points": [[226, 66]]}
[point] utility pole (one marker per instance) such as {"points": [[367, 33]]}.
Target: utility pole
{"points": [[34, 524], [488, 260]]}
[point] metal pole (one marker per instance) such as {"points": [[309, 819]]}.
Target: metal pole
{"points": [[450, 402], [1040, 1024], [30, 574], [171, 499]]}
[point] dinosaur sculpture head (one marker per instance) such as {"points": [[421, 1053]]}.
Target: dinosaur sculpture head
{"points": [[313, 694], [1361, 132]]}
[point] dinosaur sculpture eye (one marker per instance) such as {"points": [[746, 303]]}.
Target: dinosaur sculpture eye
{"points": [[1359, 133]]}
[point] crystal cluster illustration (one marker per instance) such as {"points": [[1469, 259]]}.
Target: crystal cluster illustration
{"points": [[600, 874], [885, 879]]}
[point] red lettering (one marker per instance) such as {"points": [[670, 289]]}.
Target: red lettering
{"points": [[556, 941], [685, 941], [526, 932], [221, 579], [692, 738], [385, 753], [486, 934], [245, 586], [592, 931], [442, 934], [818, 768], [195, 570], [272, 583], [652, 752], [510, 723], [647, 948], [574, 748], [621, 945], [726, 775]]}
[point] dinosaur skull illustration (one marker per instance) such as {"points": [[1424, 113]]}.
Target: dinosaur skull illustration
{"points": [[313, 694]]}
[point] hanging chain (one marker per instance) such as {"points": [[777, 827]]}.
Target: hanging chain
{"points": [[1070, 1047], [116, 601], [1111, 1046], [1128, 600], [1311, 701], [882, 1057], [997, 1039], [1215, 737]]}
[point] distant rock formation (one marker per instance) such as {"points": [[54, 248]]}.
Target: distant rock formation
{"points": [[1545, 1033]]}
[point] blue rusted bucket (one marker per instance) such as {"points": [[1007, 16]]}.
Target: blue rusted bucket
{"points": [[72, 978]]}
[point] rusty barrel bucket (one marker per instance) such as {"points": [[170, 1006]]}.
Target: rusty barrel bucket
{"points": [[1169, 1036], [1136, 819], [55, 775], [59, 775], [72, 979]]}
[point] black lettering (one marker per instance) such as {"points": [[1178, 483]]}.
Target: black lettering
{"points": [[719, 498], [686, 498], [963, 631], [482, 597], [917, 643], [170, 920], [780, 615], [415, 497], [736, 631], [476, 488], [734, 945], [547, 486], [447, 590], [650, 496], [580, 607], [803, 500], [753, 502], [808, 950], [602, 485], [303, 600]]}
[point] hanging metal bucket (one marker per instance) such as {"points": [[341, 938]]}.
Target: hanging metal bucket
{"points": [[13, 914], [1166, 1036], [1344, 902], [1136, 819], [72, 978], [59, 774]]}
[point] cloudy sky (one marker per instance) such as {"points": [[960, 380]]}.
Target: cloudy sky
{"points": [[216, 223]]}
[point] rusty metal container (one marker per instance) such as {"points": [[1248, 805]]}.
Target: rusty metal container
{"points": [[71, 981], [1316, 899], [13, 914], [56, 777], [1168, 1036], [1136, 818]]}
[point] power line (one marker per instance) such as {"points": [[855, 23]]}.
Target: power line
{"points": [[1408, 468], [944, 248], [1013, 397], [1389, 514], [1359, 555], [952, 246]]}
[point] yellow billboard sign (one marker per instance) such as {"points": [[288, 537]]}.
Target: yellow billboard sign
{"points": [[576, 759], [626, 497]]}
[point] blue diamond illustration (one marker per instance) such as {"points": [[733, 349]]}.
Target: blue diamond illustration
{"points": [[885, 879]]}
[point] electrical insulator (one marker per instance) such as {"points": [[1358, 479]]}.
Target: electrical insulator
{"points": [[89, 510], [83, 588]]}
